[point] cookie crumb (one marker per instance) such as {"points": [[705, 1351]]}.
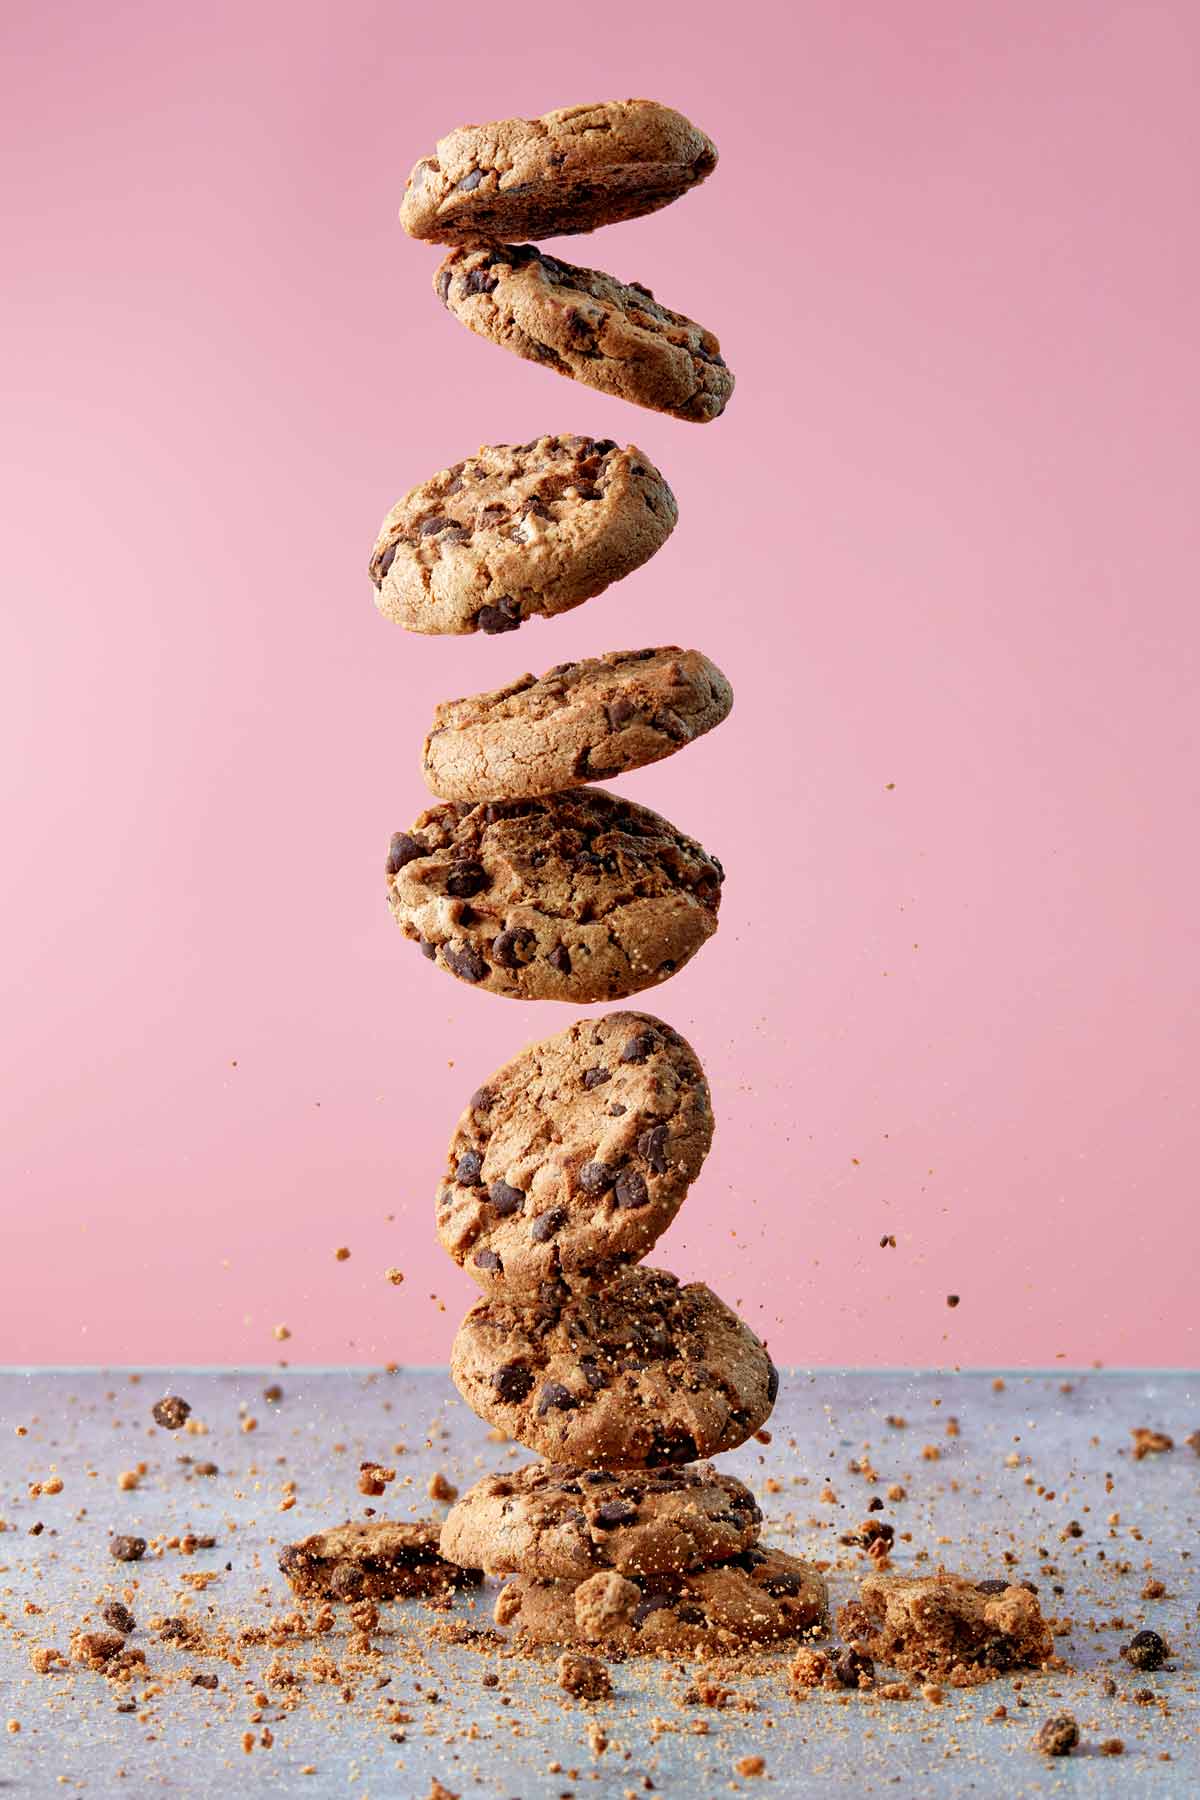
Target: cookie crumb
{"points": [[171, 1412], [1057, 1736], [583, 1676], [750, 1765]]}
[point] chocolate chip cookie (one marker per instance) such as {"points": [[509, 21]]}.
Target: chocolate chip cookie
{"points": [[587, 325], [574, 1157], [562, 1524], [582, 721], [567, 172], [648, 1371], [519, 530], [944, 1627], [758, 1597], [579, 896], [376, 1559]]}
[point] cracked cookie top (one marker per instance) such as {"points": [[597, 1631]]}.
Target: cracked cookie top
{"points": [[519, 530], [612, 335], [579, 896], [557, 1523], [569, 171], [581, 721], [647, 1371], [572, 1160]]}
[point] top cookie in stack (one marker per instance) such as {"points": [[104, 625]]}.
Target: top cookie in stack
{"points": [[569, 172]]}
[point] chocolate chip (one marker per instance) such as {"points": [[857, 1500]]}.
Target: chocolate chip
{"points": [[594, 1078], [638, 1048], [487, 1259], [443, 285], [428, 950], [383, 563], [482, 1100], [652, 1148], [465, 879], [1145, 1650], [127, 1549], [118, 1616], [620, 711], [402, 850], [466, 963], [991, 1586], [554, 1396], [480, 281], [849, 1664], [782, 1581], [175, 1631], [671, 1446], [492, 620], [612, 1513], [596, 1177], [431, 527], [468, 1169], [512, 1382], [505, 1199], [515, 947], [652, 1603], [469, 183], [593, 1374], [170, 1412], [206, 1681], [631, 1190], [772, 1383], [546, 1224], [560, 959]]}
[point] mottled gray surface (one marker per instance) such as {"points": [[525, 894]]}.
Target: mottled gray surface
{"points": [[979, 1498]]}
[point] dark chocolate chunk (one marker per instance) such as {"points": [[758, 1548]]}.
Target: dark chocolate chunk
{"points": [[487, 1259], [515, 947], [596, 1177], [465, 879], [466, 963], [652, 1148], [506, 1199], [543, 1228], [612, 1513], [512, 1382], [402, 850], [631, 1190], [554, 1396], [468, 1169]]}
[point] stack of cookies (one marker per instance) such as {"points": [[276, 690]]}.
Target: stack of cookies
{"points": [[527, 880]]}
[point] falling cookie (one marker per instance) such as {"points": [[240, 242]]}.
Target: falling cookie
{"points": [[648, 1371], [377, 1559], [519, 530], [574, 1157], [569, 171], [579, 896], [758, 1597], [610, 334], [583, 721], [562, 1524]]}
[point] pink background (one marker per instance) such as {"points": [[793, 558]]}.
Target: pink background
{"points": [[945, 537]]}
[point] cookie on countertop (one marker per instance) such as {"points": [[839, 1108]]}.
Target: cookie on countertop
{"points": [[375, 1559], [648, 1371], [758, 1597], [580, 896], [581, 721], [569, 171], [610, 334], [519, 530], [944, 1627], [573, 1158], [556, 1523]]}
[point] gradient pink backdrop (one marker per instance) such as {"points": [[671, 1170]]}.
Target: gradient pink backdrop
{"points": [[946, 537]]}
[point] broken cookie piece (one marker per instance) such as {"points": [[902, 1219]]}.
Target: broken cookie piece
{"points": [[945, 1627], [379, 1559]]}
